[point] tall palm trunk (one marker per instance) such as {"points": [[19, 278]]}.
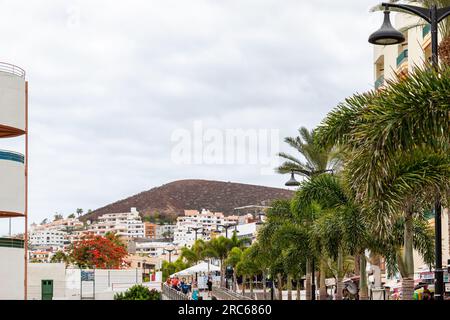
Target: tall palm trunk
{"points": [[264, 285], [408, 276], [357, 266], [289, 287], [340, 275], [363, 289], [243, 285], [322, 284], [308, 280], [448, 224], [252, 278], [234, 280], [298, 288], [280, 286], [222, 274]]}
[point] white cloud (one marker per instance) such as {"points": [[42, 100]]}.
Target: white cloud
{"points": [[110, 81]]}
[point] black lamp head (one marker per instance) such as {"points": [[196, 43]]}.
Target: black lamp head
{"points": [[292, 182], [387, 34]]}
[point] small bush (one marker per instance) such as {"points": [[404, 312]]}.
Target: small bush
{"points": [[138, 292]]}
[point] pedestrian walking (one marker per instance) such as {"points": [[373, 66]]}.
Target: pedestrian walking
{"points": [[209, 284], [195, 293]]}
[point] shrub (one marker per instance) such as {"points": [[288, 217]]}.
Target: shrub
{"points": [[138, 292]]}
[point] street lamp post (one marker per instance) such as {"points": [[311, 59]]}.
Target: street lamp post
{"points": [[260, 221], [226, 227], [170, 254], [387, 35], [292, 182], [196, 229]]}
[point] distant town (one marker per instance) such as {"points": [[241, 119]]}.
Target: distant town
{"points": [[141, 236]]}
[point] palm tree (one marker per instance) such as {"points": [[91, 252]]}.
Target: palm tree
{"points": [[234, 257], [283, 234], [318, 159], [246, 267], [235, 242], [278, 215], [195, 253], [397, 148], [261, 258], [218, 248], [340, 228]]}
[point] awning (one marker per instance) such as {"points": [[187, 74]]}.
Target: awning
{"points": [[199, 268]]}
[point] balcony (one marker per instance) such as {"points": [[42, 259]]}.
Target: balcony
{"points": [[426, 30], [11, 243], [12, 69], [379, 83], [402, 57]]}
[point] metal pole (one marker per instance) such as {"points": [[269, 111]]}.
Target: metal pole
{"points": [[434, 36], [271, 289], [438, 272], [313, 281], [94, 283], [81, 284], [25, 238]]}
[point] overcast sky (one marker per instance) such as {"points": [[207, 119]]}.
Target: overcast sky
{"points": [[110, 82]]}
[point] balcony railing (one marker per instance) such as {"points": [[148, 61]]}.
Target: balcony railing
{"points": [[11, 243], [426, 30], [12, 69], [10, 155], [379, 82], [402, 57]]}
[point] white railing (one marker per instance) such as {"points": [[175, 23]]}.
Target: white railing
{"points": [[12, 69]]}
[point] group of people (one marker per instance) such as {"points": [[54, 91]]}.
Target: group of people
{"points": [[188, 288]]}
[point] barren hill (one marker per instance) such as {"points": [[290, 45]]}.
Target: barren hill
{"points": [[173, 198]]}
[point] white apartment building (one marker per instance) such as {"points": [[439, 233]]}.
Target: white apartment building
{"points": [[165, 231], [126, 224], [47, 238], [207, 221], [62, 224], [152, 248]]}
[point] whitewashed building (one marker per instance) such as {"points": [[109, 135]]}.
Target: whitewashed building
{"points": [[208, 222], [126, 224], [164, 231], [152, 248], [47, 238]]}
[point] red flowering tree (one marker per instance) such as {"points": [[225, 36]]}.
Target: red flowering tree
{"points": [[99, 252]]}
